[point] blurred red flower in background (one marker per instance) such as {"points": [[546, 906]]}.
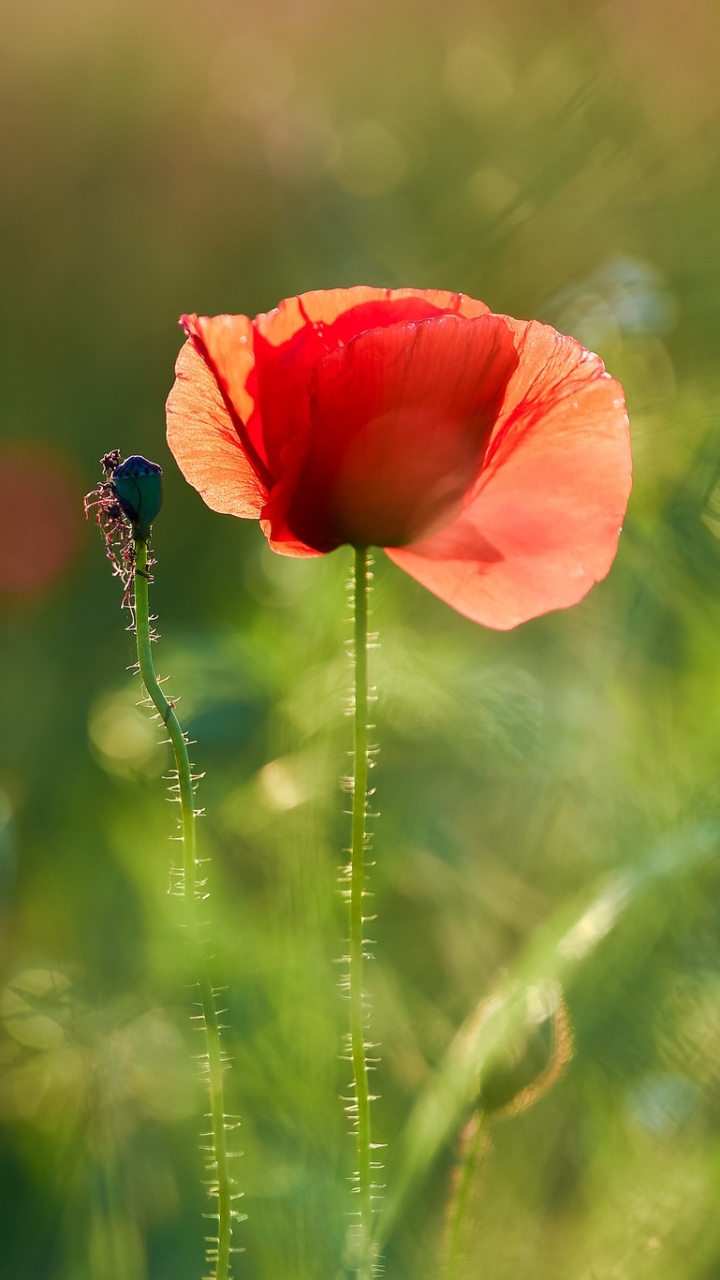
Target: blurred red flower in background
{"points": [[490, 457], [40, 526]]}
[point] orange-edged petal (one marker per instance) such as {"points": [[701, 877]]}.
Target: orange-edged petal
{"points": [[543, 520], [400, 418], [208, 411], [290, 340], [325, 307]]}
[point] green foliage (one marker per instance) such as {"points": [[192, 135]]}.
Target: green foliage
{"points": [[559, 781]]}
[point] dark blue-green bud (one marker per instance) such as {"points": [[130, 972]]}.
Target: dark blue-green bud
{"points": [[137, 485]]}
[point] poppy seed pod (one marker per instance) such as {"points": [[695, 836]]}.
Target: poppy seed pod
{"points": [[137, 485], [488, 456]]}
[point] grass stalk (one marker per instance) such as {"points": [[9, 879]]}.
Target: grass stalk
{"points": [[474, 1138]]}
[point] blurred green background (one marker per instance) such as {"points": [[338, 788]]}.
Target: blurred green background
{"points": [[556, 160]]}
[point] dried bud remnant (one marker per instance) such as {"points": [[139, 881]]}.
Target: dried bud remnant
{"points": [[125, 503]]}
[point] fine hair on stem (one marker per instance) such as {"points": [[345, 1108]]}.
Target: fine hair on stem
{"points": [[190, 885], [363, 1259]]}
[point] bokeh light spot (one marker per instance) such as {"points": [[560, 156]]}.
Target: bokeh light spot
{"points": [[490, 191], [25, 1007], [477, 78], [372, 161], [251, 76], [124, 738], [281, 788]]}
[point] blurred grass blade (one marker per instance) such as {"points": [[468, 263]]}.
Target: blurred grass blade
{"points": [[550, 960]]}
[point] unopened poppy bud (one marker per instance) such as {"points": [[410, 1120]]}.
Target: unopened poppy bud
{"points": [[137, 484]]}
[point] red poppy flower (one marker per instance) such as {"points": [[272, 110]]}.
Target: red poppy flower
{"points": [[489, 456]]}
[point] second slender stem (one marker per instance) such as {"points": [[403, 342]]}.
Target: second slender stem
{"points": [[358, 1020], [219, 1250]]}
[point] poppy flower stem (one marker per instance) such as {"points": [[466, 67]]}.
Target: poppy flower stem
{"points": [[213, 1062], [360, 1105]]}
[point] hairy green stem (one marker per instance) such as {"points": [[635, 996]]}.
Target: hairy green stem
{"points": [[221, 1184], [358, 844]]}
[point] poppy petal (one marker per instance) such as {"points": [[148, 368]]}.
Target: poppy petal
{"points": [[291, 339], [325, 307], [400, 418], [542, 525], [207, 412]]}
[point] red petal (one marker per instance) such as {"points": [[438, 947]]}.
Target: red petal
{"points": [[543, 524], [207, 412], [325, 307], [290, 341], [400, 421]]}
